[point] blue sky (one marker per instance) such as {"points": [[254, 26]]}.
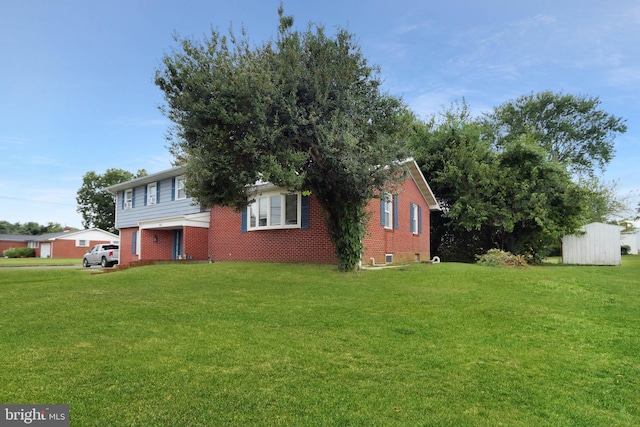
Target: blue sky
{"points": [[77, 91]]}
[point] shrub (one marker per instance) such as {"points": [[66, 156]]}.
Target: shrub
{"points": [[499, 258], [21, 252], [625, 249]]}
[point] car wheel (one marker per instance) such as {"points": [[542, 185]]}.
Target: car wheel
{"points": [[104, 263], [85, 263]]}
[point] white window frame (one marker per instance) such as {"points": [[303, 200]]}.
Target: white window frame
{"points": [[128, 199], [33, 244], [152, 193], [181, 193], [416, 221], [273, 222], [388, 211], [82, 243]]}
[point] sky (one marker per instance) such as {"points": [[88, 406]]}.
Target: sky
{"points": [[77, 90]]}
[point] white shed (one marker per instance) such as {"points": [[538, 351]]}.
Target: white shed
{"points": [[599, 245], [631, 239]]}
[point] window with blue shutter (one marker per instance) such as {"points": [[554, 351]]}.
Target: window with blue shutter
{"points": [[158, 192], [243, 225], [304, 213], [412, 217], [395, 211], [146, 194], [134, 242]]}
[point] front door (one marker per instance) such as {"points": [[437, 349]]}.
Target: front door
{"points": [[177, 244]]}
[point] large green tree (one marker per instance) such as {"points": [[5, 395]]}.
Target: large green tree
{"points": [[304, 111], [515, 198], [573, 129], [96, 205]]}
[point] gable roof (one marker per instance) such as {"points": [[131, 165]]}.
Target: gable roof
{"points": [[423, 186]]}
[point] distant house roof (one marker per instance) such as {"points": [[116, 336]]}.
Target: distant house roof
{"points": [[15, 237], [47, 236]]}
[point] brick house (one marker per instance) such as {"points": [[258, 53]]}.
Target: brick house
{"points": [[157, 220], [63, 244]]}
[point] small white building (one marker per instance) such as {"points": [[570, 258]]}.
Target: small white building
{"points": [[597, 244], [631, 239]]}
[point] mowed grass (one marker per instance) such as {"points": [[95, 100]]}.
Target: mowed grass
{"points": [[39, 262], [303, 345]]}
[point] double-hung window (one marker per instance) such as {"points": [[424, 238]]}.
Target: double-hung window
{"points": [[180, 190], [274, 210], [128, 199], [152, 190], [387, 210], [416, 218]]}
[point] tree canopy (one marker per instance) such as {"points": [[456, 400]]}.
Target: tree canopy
{"points": [[571, 128], [32, 228], [96, 205], [304, 111], [515, 195]]}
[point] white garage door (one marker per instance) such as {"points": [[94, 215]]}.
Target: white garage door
{"points": [[45, 250]]}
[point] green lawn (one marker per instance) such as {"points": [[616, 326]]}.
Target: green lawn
{"points": [[39, 262], [300, 345]]}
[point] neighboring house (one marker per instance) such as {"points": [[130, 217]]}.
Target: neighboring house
{"points": [[631, 239], [598, 244], [12, 241], [64, 244], [157, 220]]}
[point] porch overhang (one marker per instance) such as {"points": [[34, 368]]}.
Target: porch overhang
{"points": [[200, 220]]}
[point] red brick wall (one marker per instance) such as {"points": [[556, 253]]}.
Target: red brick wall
{"points": [[158, 244], [228, 243], [126, 257], [160, 249], [402, 243], [4, 245], [196, 242]]}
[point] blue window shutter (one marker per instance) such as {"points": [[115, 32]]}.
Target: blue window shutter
{"points": [[158, 192], [123, 193], [419, 219], [243, 226], [304, 213], [411, 219], [395, 211], [134, 241], [133, 198], [173, 189], [146, 190], [382, 203]]}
